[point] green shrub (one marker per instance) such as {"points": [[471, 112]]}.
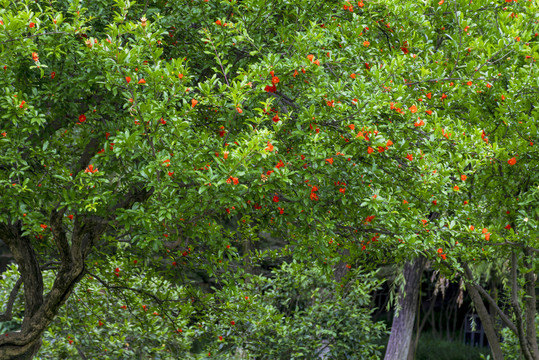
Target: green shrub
{"points": [[294, 313], [299, 311]]}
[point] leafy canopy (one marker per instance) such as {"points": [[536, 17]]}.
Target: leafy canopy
{"points": [[369, 132]]}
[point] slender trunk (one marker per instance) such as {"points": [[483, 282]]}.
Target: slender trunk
{"points": [[517, 310], [486, 320], [421, 325], [432, 322], [454, 327], [403, 324], [491, 308], [531, 334], [415, 338], [449, 315], [440, 318]]}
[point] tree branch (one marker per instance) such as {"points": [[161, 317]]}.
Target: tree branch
{"points": [[516, 307], [36, 35], [486, 320], [23, 253], [505, 318], [7, 315], [59, 235], [531, 333], [89, 151]]}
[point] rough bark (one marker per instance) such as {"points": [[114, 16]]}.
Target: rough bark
{"points": [[40, 309], [492, 302], [403, 325], [486, 320]]}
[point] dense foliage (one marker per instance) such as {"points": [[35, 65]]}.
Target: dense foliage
{"points": [[295, 313], [361, 134]]}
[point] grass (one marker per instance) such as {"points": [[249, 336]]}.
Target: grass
{"points": [[432, 348]]}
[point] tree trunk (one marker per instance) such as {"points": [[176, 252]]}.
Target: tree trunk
{"points": [[486, 320], [419, 327], [22, 353], [402, 327], [40, 309], [529, 276], [517, 311]]}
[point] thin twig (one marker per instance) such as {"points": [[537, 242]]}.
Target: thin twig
{"points": [[36, 35]]}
